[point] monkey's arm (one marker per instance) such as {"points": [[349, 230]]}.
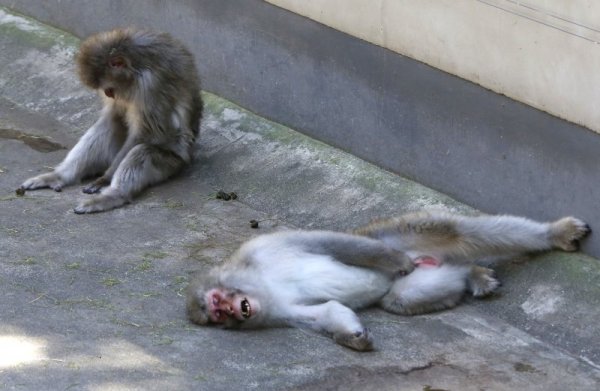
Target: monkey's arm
{"points": [[353, 250], [457, 238], [91, 155], [334, 319]]}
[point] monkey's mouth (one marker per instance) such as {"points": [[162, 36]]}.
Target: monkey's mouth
{"points": [[246, 308], [110, 92]]}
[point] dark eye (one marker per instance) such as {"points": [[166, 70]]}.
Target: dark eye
{"points": [[117, 62], [246, 309]]}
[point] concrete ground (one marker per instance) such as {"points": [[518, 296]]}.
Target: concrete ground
{"points": [[95, 302]]}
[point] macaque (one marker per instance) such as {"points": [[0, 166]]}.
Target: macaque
{"points": [[412, 264], [149, 121]]}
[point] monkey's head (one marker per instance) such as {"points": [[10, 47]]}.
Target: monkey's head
{"points": [[105, 62], [211, 304]]}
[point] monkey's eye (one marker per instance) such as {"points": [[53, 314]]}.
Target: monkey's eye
{"points": [[246, 309], [116, 62]]}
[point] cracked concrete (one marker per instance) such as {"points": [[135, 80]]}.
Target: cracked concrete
{"points": [[95, 302]]}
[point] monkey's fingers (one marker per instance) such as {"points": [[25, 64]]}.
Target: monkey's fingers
{"points": [[360, 341], [96, 186], [48, 180]]}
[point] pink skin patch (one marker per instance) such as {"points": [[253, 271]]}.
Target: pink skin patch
{"points": [[426, 261]]}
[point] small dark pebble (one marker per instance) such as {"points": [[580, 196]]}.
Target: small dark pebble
{"points": [[20, 192], [253, 224], [221, 195]]}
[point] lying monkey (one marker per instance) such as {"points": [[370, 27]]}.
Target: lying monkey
{"points": [[316, 279]]}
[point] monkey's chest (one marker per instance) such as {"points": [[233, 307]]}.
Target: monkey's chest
{"points": [[325, 281]]}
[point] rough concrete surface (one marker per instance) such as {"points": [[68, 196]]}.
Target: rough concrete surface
{"points": [[95, 302]]}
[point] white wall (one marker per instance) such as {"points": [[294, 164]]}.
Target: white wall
{"points": [[545, 53]]}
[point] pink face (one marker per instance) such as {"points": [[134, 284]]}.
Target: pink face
{"points": [[224, 304]]}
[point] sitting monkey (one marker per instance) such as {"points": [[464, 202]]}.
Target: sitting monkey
{"points": [[149, 121], [316, 279]]}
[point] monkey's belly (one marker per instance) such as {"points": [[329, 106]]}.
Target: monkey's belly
{"points": [[352, 286]]}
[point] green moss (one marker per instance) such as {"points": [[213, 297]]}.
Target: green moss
{"points": [[144, 266], [522, 367], [173, 204], [366, 175], [165, 341], [36, 35], [12, 231], [155, 255], [109, 281], [25, 262]]}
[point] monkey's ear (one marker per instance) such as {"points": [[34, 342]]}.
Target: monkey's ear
{"points": [[117, 62]]}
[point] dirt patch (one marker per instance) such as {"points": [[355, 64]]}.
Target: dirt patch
{"points": [[40, 144]]}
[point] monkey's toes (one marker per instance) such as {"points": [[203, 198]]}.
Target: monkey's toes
{"points": [[567, 233], [482, 281], [360, 340], [485, 286], [91, 189], [110, 199]]}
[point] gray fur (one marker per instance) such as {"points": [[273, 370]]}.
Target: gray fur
{"points": [[148, 125], [315, 279]]}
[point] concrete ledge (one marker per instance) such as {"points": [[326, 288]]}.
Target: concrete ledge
{"points": [[95, 301], [480, 148]]}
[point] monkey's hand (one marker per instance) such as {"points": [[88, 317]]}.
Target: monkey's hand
{"points": [[96, 185], [51, 180], [360, 340], [566, 233], [404, 265]]}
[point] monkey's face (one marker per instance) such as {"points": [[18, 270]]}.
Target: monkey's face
{"points": [[229, 307], [103, 64]]}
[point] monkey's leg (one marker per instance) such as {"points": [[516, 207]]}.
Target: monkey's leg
{"points": [[143, 166], [427, 290], [353, 250], [91, 155], [107, 176], [335, 319], [457, 238]]}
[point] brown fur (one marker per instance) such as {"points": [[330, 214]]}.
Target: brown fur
{"points": [[148, 127]]}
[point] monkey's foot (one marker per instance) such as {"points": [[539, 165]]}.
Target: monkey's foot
{"points": [[400, 306], [360, 340], [96, 185], [482, 281], [102, 202], [51, 180], [567, 232]]}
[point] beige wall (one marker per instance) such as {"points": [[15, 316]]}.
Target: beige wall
{"points": [[545, 53]]}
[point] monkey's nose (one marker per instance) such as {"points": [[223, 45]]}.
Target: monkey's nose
{"points": [[110, 92]]}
